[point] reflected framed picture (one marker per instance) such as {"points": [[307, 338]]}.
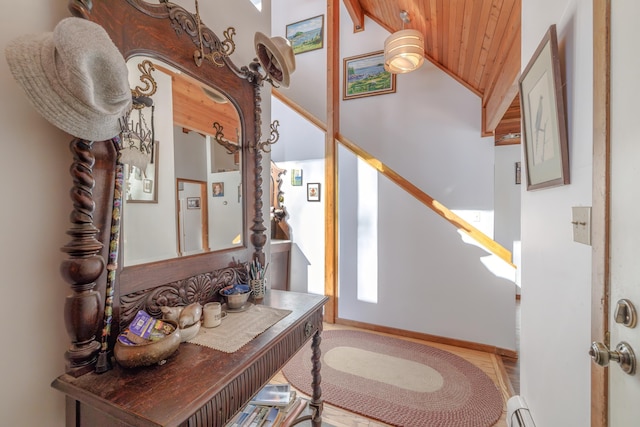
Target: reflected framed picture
{"points": [[140, 170], [364, 75], [313, 192], [546, 150], [217, 189], [193, 202], [296, 177], [306, 35]]}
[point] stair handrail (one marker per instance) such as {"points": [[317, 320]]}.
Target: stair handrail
{"points": [[487, 242]]}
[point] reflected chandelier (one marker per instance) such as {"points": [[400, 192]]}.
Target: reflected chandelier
{"points": [[404, 49]]}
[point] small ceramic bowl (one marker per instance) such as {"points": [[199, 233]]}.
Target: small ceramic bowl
{"points": [[236, 296], [147, 354]]}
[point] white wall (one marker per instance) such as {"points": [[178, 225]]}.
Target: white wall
{"points": [[310, 93], [141, 240], [556, 272], [507, 201], [307, 226], [430, 279], [35, 169], [301, 146]]}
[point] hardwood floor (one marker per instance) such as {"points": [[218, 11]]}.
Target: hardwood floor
{"points": [[503, 371]]}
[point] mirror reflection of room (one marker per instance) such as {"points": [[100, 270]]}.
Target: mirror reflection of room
{"points": [[197, 133]]}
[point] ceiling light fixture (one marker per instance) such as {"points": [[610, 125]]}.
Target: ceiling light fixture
{"points": [[404, 49]]}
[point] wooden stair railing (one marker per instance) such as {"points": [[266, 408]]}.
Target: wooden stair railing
{"points": [[487, 242]]}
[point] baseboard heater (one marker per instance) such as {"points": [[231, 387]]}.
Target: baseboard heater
{"points": [[518, 414]]}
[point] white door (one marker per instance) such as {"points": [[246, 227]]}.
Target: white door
{"points": [[191, 217], [624, 389], [225, 211]]}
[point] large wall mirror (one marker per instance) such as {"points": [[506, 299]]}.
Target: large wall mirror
{"points": [[196, 174]]}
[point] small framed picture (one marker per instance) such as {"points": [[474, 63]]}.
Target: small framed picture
{"points": [[193, 202], [313, 192], [306, 35], [217, 189], [296, 177]]}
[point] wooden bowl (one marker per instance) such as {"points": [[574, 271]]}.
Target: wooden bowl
{"points": [[150, 353]]}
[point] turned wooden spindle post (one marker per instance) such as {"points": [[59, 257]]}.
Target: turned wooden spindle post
{"points": [[258, 237], [316, 399], [84, 265]]}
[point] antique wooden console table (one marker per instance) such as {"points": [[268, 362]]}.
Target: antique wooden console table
{"points": [[198, 386]]}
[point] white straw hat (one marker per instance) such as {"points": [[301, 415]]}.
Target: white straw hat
{"points": [[75, 77], [276, 57]]}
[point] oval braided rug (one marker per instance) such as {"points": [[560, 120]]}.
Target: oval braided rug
{"points": [[398, 382]]}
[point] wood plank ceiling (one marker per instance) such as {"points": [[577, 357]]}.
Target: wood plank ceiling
{"points": [[196, 107], [477, 42]]}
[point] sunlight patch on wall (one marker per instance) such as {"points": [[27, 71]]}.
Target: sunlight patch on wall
{"points": [[493, 263], [257, 4], [367, 233]]}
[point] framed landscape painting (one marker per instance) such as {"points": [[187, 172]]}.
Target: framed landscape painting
{"points": [[546, 150], [364, 75], [306, 35]]}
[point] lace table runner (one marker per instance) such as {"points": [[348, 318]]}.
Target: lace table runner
{"points": [[238, 328]]}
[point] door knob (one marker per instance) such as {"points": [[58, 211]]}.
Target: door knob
{"points": [[623, 354]]}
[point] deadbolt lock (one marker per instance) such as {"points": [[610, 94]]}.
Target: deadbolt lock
{"points": [[623, 354], [625, 313]]}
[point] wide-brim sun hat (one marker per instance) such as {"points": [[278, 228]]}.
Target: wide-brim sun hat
{"points": [[75, 77], [276, 57]]}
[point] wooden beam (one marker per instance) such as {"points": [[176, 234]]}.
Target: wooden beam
{"points": [[299, 109], [509, 129], [331, 161], [600, 205], [504, 90], [355, 12]]}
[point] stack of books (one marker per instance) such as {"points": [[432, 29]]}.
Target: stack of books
{"points": [[276, 405]]}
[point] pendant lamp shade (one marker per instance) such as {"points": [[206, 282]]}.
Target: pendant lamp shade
{"points": [[404, 51]]}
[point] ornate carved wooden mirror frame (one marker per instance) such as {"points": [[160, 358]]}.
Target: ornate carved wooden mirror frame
{"points": [[168, 33]]}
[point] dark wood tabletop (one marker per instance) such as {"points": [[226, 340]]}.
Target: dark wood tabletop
{"points": [[197, 385]]}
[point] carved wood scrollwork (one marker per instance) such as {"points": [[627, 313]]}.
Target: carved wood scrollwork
{"points": [[181, 20], [202, 36], [219, 137], [201, 288]]}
